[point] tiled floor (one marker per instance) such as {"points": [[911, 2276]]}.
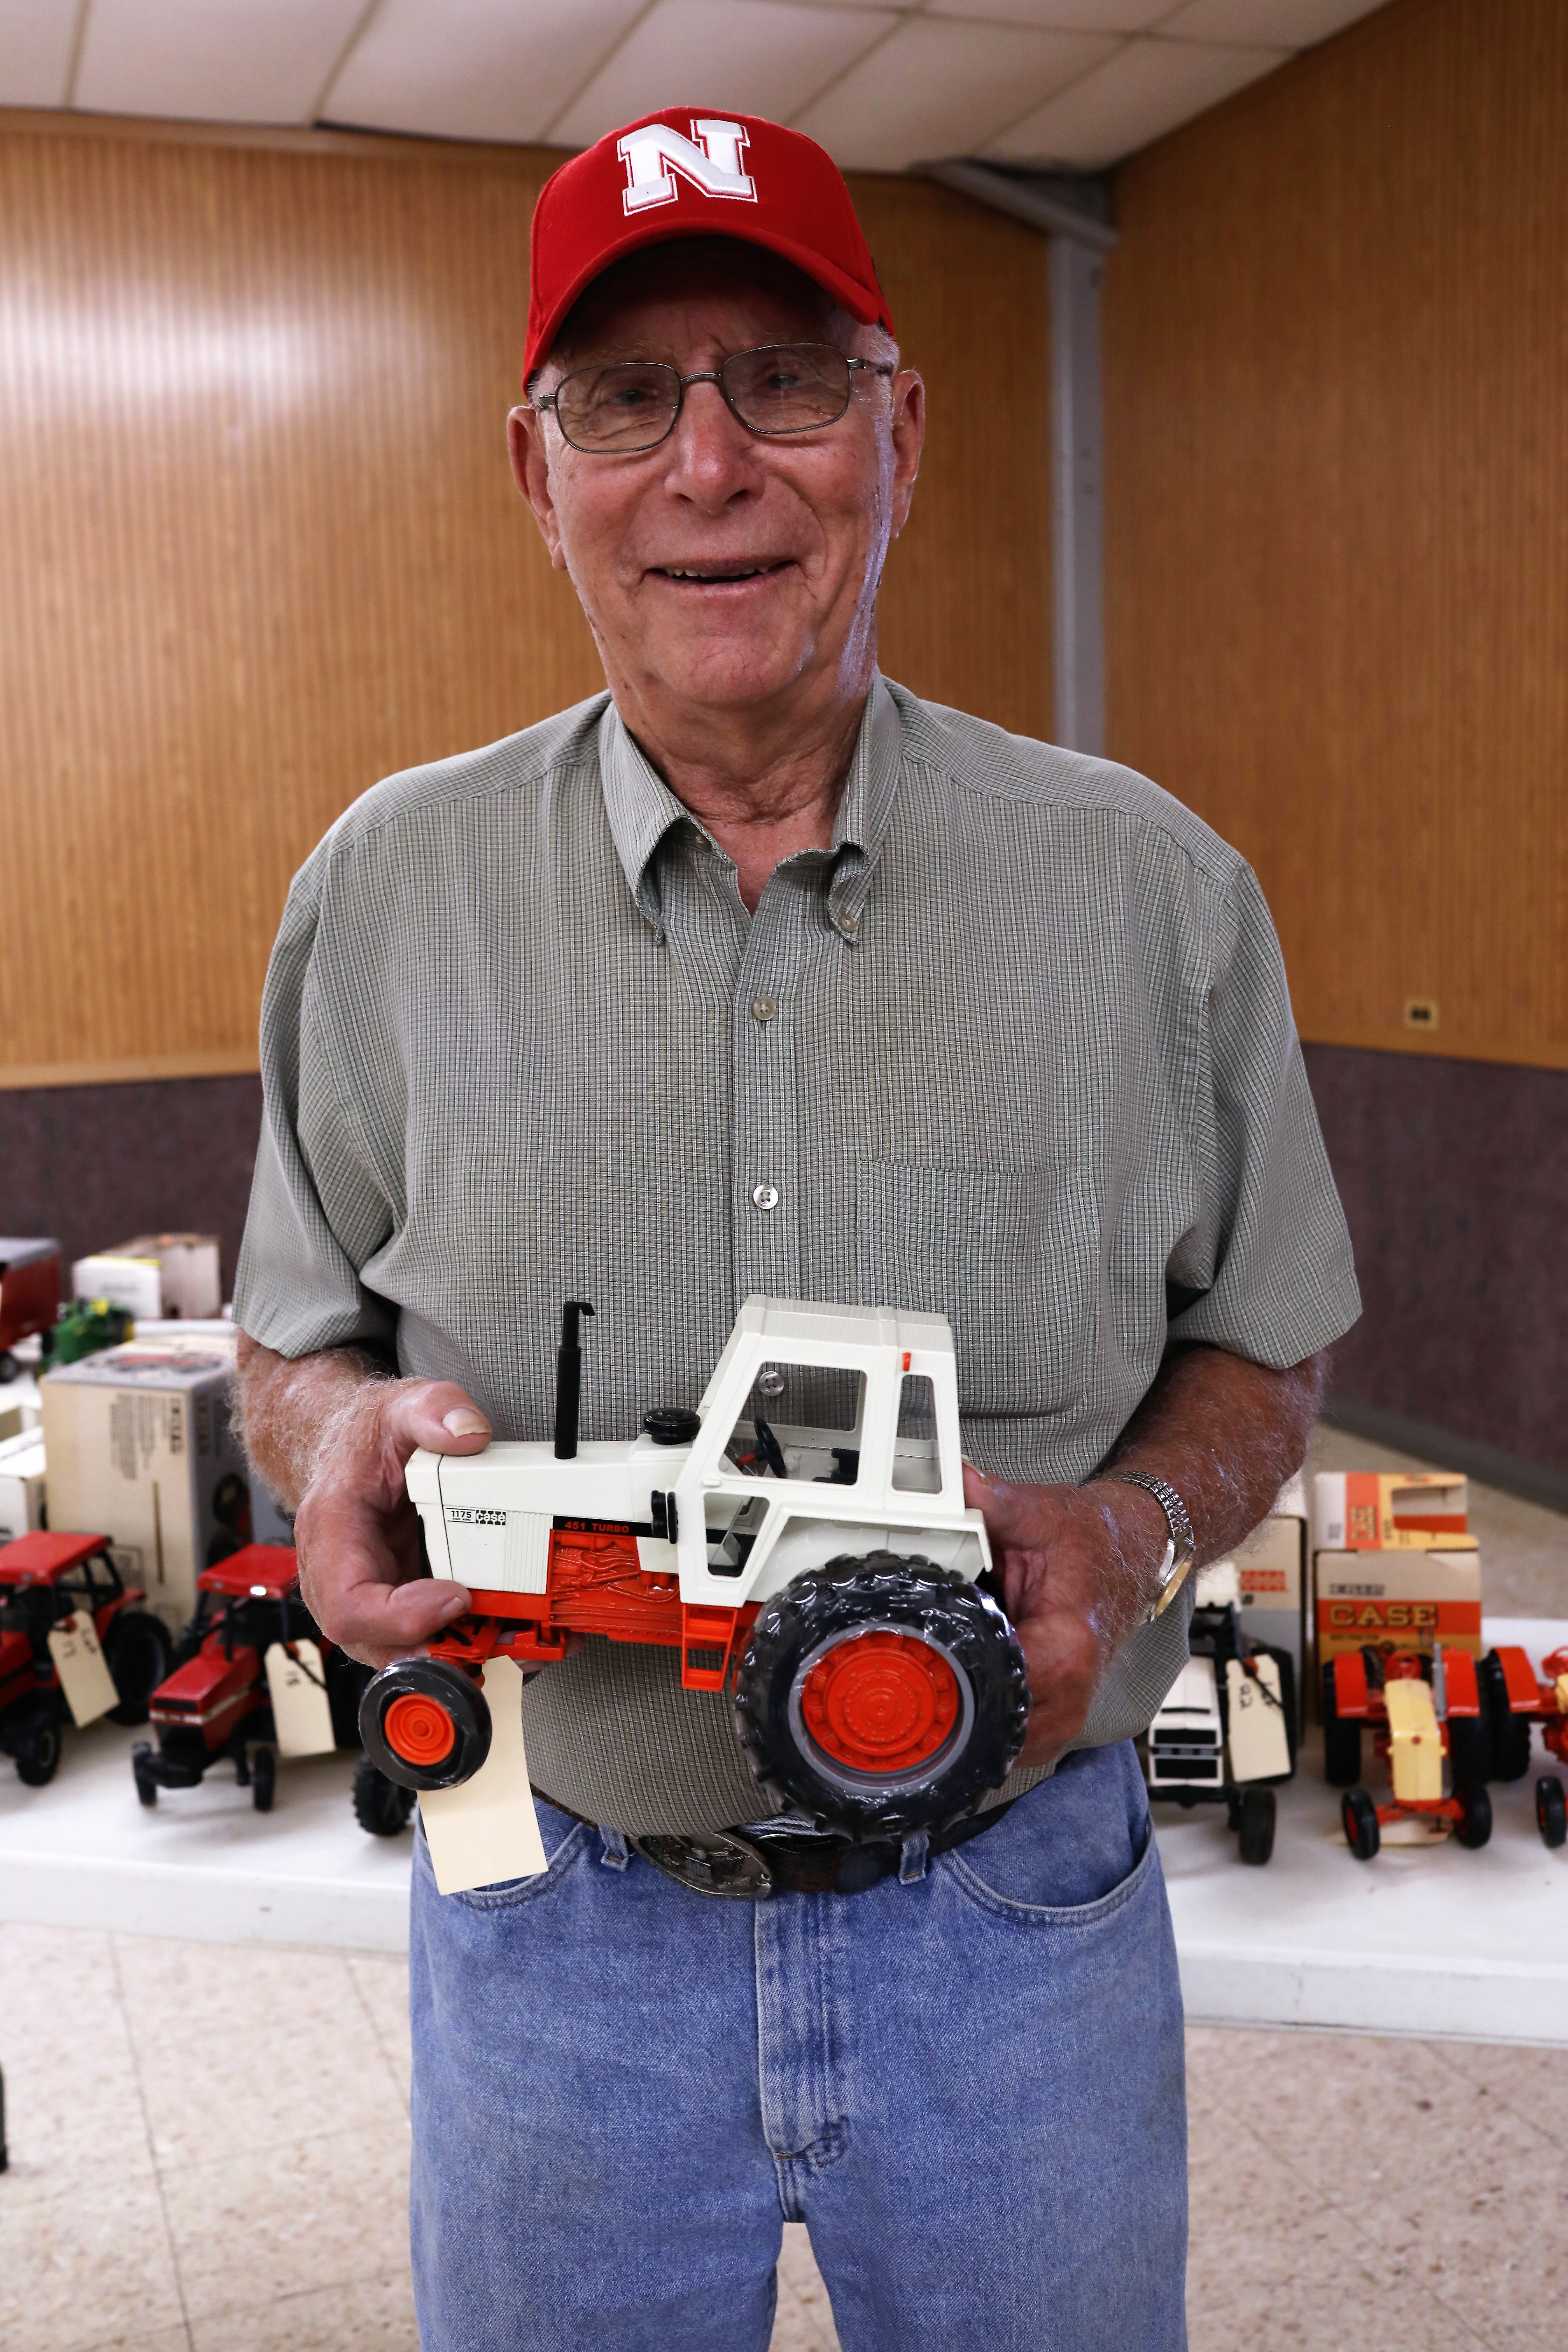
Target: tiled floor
{"points": [[209, 2148]]}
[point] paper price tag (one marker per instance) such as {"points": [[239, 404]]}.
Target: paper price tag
{"points": [[302, 1720], [488, 1829], [84, 1679], [1256, 1733]]}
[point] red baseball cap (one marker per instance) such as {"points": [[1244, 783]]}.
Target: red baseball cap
{"points": [[691, 171]]}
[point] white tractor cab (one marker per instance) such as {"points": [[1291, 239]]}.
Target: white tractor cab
{"points": [[801, 1538], [1226, 1731]]}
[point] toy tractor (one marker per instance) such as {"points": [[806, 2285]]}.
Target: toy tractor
{"points": [[29, 1295], [1226, 1731], [801, 1539], [1420, 1710], [1515, 1699], [67, 1619], [218, 1701]]}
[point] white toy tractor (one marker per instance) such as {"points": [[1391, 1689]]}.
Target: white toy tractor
{"points": [[801, 1538]]}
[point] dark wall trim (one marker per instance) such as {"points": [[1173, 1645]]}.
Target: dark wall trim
{"points": [[94, 1165], [1454, 1181]]}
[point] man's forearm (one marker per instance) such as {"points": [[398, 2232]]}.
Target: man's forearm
{"points": [[291, 1407], [1226, 1433]]}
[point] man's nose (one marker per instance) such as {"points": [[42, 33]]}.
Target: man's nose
{"points": [[712, 457]]}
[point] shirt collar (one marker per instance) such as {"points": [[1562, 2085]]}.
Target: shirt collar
{"points": [[642, 810]]}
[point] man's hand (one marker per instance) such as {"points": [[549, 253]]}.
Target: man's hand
{"points": [[333, 1426], [1079, 1567]]}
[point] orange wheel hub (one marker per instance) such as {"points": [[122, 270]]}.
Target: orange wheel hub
{"points": [[880, 1702], [418, 1728]]}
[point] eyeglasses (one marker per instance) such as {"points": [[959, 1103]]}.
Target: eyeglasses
{"points": [[633, 404]]}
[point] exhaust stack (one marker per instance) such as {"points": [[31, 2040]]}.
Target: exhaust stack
{"points": [[568, 1379]]}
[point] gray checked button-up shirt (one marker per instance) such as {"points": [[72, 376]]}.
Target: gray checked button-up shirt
{"points": [[1019, 1047]]}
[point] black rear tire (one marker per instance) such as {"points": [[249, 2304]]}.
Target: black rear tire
{"points": [[1258, 1814], [141, 1769], [38, 1752], [138, 1651], [1510, 1732], [827, 1607], [1341, 1741], [447, 1688], [1470, 1751], [381, 1806], [1550, 1810], [1358, 1815], [347, 1681], [1474, 1826], [263, 1779]]}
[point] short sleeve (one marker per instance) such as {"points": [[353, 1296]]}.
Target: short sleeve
{"points": [[317, 1213], [1268, 1273]]}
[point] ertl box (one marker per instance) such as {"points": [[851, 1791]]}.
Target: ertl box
{"points": [[155, 1275], [1394, 1565], [140, 1447], [21, 1485], [1271, 1578]]}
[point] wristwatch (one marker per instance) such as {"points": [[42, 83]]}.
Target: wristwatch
{"points": [[1183, 1545]]}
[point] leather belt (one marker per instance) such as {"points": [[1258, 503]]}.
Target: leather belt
{"points": [[750, 1864]]}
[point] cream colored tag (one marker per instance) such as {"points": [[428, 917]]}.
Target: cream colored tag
{"points": [[302, 1720], [1256, 1732], [84, 1679], [488, 1829]]}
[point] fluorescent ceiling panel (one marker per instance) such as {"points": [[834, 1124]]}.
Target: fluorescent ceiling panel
{"points": [[1144, 91], [243, 62], [1277, 24], [745, 56], [473, 69], [942, 88], [1061, 16], [36, 37]]}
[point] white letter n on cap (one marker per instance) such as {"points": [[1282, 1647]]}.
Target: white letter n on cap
{"points": [[709, 161]]}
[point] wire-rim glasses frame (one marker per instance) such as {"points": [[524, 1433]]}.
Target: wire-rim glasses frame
{"points": [[741, 384]]}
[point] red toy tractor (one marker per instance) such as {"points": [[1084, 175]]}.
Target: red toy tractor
{"points": [[217, 1701], [1516, 1699], [44, 1579], [1420, 1710], [29, 1295]]}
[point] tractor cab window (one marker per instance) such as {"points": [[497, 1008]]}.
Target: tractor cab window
{"points": [[917, 1463], [800, 1420]]}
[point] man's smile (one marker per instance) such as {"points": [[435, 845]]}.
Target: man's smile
{"points": [[707, 575]]}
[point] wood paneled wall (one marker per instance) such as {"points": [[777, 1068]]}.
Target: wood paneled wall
{"points": [[261, 546], [1337, 512]]}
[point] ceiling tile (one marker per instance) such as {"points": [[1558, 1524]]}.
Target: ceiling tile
{"points": [[753, 56], [1062, 15], [940, 89], [1279, 24], [245, 61], [36, 38], [473, 69], [1144, 91]]}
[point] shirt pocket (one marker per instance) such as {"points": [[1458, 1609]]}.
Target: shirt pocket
{"points": [[1009, 1255]]}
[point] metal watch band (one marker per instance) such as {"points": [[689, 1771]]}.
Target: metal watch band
{"points": [[1184, 1543]]}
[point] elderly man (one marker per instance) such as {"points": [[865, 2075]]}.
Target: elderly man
{"points": [[757, 973]]}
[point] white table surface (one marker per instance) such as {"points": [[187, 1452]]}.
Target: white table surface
{"points": [[1426, 1941]]}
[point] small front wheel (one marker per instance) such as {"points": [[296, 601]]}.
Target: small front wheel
{"points": [[141, 1769], [1551, 1812], [263, 1779], [1258, 1816], [1474, 1825], [38, 1752], [425, 1724], [1359, 1815], [381, 1806]]}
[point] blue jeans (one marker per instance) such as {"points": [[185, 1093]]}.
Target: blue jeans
{"points": [[968, 2085]]}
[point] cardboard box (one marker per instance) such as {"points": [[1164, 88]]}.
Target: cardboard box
{"points": [[1382, 1510], [1272, 1579], [21, 1486], [140, 1446], [1397, 1600], [155, 1276]]}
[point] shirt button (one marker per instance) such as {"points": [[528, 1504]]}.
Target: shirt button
{"points": [[764, 1196], [846, 924], [762, 1008]]}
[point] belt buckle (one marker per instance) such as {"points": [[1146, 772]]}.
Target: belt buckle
{"points": [[721, 1864]]}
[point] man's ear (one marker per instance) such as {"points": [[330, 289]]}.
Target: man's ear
{"points": [[909, 404], [530, 472]]}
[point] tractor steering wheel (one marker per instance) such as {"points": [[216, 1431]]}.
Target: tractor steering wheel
{"points": [[769, 1448]]}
